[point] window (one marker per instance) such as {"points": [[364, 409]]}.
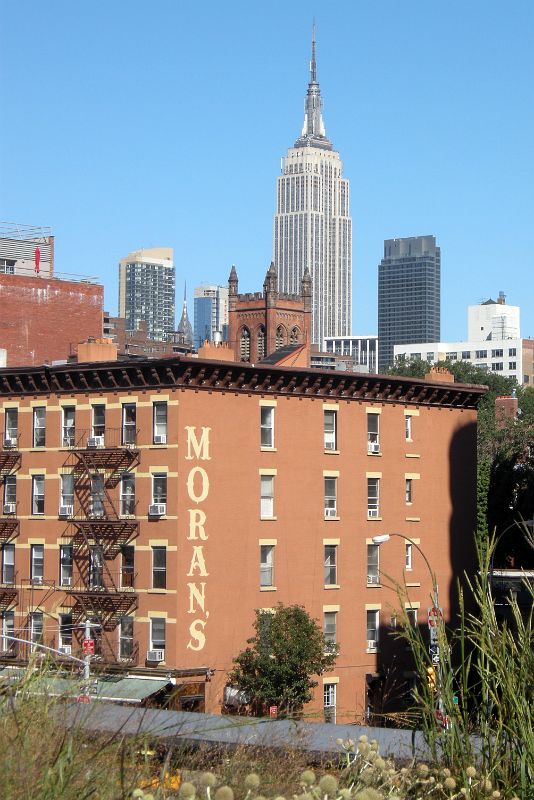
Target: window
{"points": [[244, 345], [38, 494], [408, 490], [65, 564], [267, 426], [160, 423], [11, 434], [373, 574], [129, 427], [159, 567], [66, 499], [261, 342], [36, 628], [69, 426], [266, 565], [330, 630], [96, 567], [481, 353], [497, 353], [511, 352], [330, 565], [466, 354], [10, 494], [159, 488], [372, 630], [126, 639], [37, 563], [128, 565], [99, 421], [451, 356], [512, 365], [408, 427], [266, 496], [65, 630], [97, 495], [373, 497], [411, 614], [330, 430], [329, 702], [373, 438], [8, 564], [157, 633], [8, 629], [39, 430], [128, 494], [408, 556], [330, 497], [497, 366]]}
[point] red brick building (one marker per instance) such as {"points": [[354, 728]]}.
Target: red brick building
{"points": [[44, 318], [165, 500]]}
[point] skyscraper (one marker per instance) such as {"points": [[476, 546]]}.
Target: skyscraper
{"points": [[408, 295], [312, 224], [147, 290], [210, 313]]}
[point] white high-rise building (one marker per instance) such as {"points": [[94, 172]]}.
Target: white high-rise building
{"points": [[147, 290], [312, 224]]}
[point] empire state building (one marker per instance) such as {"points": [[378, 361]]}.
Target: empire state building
{"points": [[312, 224]]}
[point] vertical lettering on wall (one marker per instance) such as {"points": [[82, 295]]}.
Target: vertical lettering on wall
{"points": [[198, 486]]}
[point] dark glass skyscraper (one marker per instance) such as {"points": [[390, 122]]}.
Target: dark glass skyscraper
{"points": [[409, 285]]}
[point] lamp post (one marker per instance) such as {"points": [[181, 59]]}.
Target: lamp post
{"points": [[385, 537]]}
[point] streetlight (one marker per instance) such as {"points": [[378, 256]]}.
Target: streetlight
{"points": [[385, 537]]}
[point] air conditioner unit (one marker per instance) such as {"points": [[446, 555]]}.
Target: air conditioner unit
{"points": [[65, 511], [372, 512], [65, 649], [155, 655], [373, 447], [157, 510], [66, 582], [10, 442], [330, 512], [10, 508], [371, 644], [68, 441], [373, 579], [95, 441], [161, 439], [38, 579]]}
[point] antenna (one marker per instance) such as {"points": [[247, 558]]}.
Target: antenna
{"points": [[313, 64]]}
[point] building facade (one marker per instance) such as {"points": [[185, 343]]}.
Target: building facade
{"points": [[409, 295], [26, 250], [210, 314], [165, 500], [312, 224], [147, 290], [363, 350]]}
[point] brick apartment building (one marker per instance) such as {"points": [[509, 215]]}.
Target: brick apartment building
{"points": [[167, 499]]}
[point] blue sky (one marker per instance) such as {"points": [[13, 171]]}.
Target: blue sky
{"points": [[129, 124]]}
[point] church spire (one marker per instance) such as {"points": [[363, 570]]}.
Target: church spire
{"points": [[313, 131]]}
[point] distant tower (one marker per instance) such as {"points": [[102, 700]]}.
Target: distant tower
{"points": [[408, 295], [312, 224], [210, 305], [147, 289], [184, 326]]}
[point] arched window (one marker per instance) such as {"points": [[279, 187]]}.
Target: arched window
{"points": [[244, 345], [294, 337], [280, 337], [261, 342]]}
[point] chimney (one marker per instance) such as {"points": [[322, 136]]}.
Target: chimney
{"points": [[440, 374]]}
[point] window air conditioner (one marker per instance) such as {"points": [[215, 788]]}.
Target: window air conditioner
{"points": [[161, 439], [155, 655], [95, 441], [330, 512], [10, 508], [10, 442], [373, 447], [372, 512], [371, 644], [65, 649], [66, 582], [373, 579], [38, 579], [65, 511], [157, 510]]}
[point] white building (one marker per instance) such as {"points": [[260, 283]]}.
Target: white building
{"points": [[312, 224], [26, 250], [363, 350], [494, 343], [147, 289]]}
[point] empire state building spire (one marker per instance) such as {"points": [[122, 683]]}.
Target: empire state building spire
{"points": [[313, 131]]}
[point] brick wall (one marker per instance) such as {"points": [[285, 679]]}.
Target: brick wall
{"points": [[43, 319]]}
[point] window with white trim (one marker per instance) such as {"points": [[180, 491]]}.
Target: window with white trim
{"points": [[160, 423], [11, 434], [266, 426], [408, 490], [97, 495], [128, 494], [159, 487], [127, 565], [68, 427], [66, 491], [372, 629], [126, 637], [330, 430], [36, 629], [38, 496], [157, 633], [65, 564], [329, 702], [159, 567], [330, 564], [99, 420], [266, 496], [8, 629], [129, 423], [373, 573], [411, 614], [408, 556], [330, 630], [39, 426], [266, 565], [10, 494], [8, 564], [373, 497], [373, 433], [330, 497], [65, 630], [408, 427]]}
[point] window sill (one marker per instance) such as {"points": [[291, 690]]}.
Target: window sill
{"points": [[157, 446], [267, 588], [38, 516], [331, 452], [374, 585], [412, 455], [332, 586], [413, 519], [332, 519], [156, 591], [375, 455], [267, 449], [268, 519], [414, 585], [374, 519], [372, 650]]}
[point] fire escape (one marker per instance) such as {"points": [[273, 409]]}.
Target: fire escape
{"points": [[10, 461], [100, 590]]}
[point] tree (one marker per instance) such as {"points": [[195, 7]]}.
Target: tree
{"points": [[287, 649]]}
